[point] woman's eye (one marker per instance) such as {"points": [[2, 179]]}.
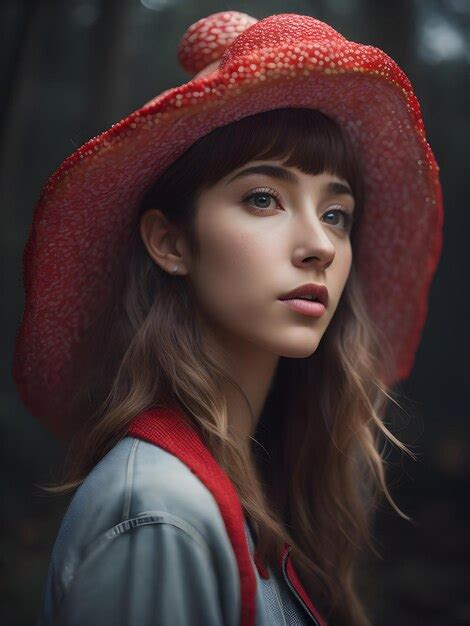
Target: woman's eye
{"points": [[347, 217], [264, 200]]}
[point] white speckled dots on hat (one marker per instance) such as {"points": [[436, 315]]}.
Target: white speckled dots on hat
{"points": [[206, 40]]}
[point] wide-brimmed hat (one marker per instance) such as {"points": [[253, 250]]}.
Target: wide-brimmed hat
{"points": [[244, 66]]}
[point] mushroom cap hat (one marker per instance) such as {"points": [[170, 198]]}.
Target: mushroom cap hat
{"points": [[240, 66]]}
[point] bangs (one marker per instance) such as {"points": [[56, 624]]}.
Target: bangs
{"points": [[297, 137]]}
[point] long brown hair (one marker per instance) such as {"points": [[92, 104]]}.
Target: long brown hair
{"points": [[315, 470]]}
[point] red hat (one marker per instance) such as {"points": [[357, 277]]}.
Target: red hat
{"points": [[82, 220]]}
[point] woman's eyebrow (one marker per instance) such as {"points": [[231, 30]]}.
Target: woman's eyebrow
{"points": [[281, 173]]}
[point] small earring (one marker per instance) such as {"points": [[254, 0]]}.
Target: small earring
{"points": [[175, 269]]}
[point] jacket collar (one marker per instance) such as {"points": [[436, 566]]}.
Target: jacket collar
{"points": [[169, 429]]}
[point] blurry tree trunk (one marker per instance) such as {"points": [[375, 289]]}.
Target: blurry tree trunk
{"points": [[20, 88], [109, 92]]}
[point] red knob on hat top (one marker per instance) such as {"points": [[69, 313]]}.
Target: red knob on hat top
{"points": [[206, 40]]}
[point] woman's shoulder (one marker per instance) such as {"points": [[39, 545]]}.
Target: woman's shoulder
{"points": [[139, 482], [141, 506]]}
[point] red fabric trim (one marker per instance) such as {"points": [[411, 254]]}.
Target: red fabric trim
{"points": [[294, 579], [165, 428]]}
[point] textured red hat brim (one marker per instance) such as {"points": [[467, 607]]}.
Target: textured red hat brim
{"points": [[83, 218]]}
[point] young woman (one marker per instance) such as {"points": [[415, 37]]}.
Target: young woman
{"points": [[225, 432]]}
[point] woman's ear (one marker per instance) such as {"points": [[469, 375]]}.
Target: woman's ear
{"points": [[163, 241]]}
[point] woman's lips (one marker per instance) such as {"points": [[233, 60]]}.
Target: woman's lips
{"points": [[307, 307]]}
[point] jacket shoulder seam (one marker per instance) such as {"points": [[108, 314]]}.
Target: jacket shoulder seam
{"points": [[146, 518]]}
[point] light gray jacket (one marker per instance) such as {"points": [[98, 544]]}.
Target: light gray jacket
{"points": [[143, 543]]}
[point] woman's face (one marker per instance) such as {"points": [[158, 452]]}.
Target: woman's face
{"points": [[262, 236]]}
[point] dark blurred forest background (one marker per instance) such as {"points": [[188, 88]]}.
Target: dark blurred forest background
{"points": [[70, 69]]}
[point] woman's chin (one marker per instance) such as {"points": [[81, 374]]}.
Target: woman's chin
{"points": [[299, 347], [299, 352], [300, 342]]}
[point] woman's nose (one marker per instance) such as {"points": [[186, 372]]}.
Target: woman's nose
{"points": [[313, 242]]}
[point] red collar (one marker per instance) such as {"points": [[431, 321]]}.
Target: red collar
{"points": [[167, 429]]}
